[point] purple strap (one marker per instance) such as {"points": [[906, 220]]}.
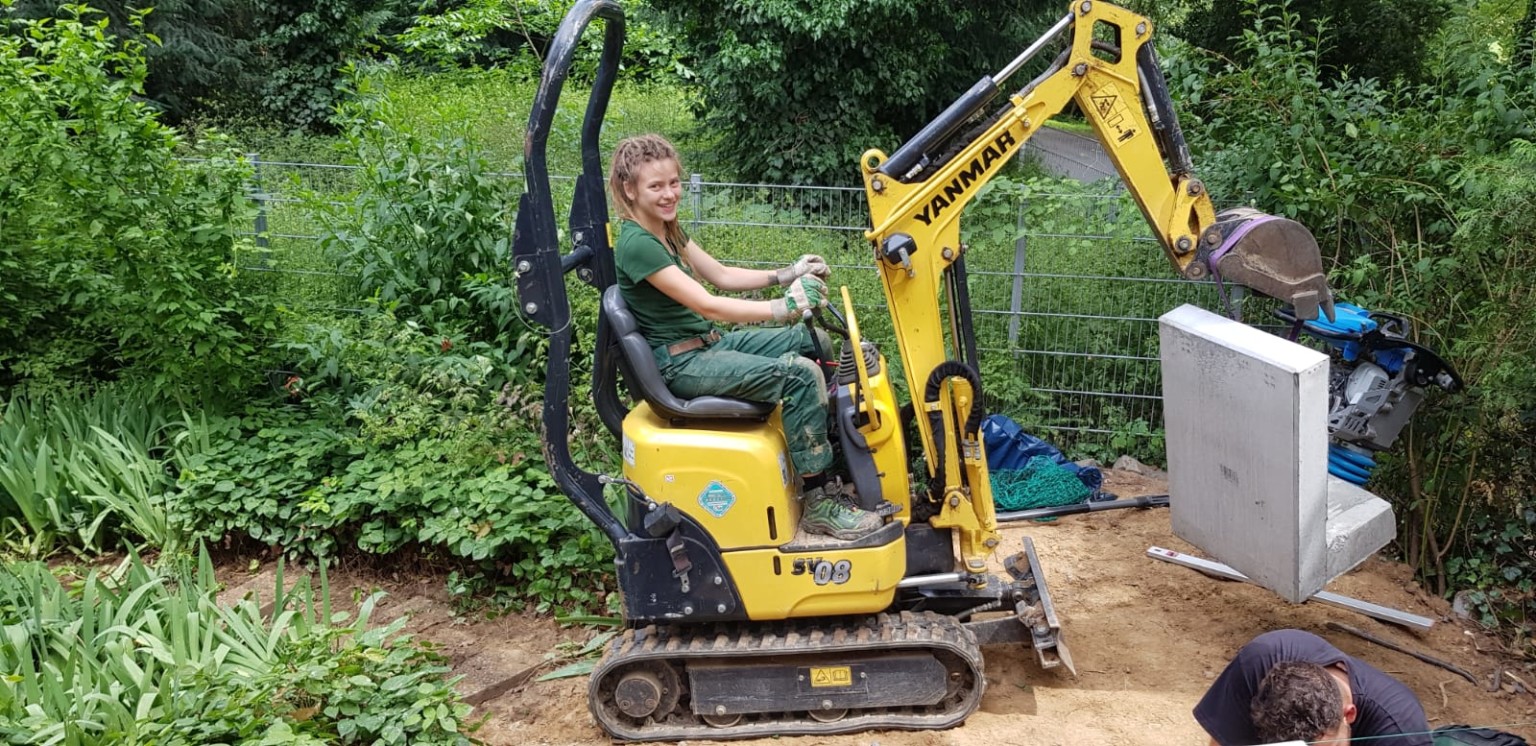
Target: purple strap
{"points": [[1221, 251]]}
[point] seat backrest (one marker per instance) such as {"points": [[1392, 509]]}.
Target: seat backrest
{"points": [[644, 378]]}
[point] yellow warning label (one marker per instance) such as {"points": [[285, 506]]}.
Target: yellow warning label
{"points": [[1114, 114], [832, 676]]}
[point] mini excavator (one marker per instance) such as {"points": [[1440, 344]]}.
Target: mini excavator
{"points": [[736, 624]]}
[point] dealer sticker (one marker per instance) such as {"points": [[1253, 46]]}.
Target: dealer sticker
{"points": [[717, 499]]}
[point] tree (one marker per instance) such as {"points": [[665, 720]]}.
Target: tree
{"points": [[1382, 39], [302, 49], [795, 91], [202, 49]]}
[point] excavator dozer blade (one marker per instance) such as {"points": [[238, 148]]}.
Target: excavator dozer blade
{"points": [[1275, 256]]}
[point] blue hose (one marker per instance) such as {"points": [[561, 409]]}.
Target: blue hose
{"points": [[1349, 464]]}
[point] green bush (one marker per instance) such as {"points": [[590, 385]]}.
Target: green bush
{"points": [[515, 35], [795, 92], [396, 439], [117, 255], [429, 221], [1382, 39]]}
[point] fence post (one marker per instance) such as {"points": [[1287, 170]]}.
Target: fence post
{"points": [[259, 194], [1016, 302], [696, 198]]}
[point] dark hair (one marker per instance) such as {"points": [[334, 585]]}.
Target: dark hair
{"points": [[1296, 702]]}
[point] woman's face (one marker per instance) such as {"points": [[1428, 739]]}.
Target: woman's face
{"points": [[655, 191]]}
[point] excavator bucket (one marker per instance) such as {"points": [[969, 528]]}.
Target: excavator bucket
{"points": [[1272, 255]]}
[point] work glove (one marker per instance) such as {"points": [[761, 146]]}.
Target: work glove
{"points": [[804, 294], [807, 264]]}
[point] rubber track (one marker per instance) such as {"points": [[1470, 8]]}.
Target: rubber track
{"points": [[747, 643]]}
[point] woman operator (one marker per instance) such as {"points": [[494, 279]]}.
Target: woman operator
{"points": [[659, 273]]}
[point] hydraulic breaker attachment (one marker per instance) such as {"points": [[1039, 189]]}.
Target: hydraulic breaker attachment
{"points": [[1272, 255]]}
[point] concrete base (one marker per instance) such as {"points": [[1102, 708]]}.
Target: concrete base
{"points": [[1359, 525], [1245, 414]]}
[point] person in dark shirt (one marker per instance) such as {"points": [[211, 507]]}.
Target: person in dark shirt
{"points": [[1290, 685]]}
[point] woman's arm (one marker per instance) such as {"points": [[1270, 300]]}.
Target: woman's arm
{"points": [[677, 285], [733, 279]]}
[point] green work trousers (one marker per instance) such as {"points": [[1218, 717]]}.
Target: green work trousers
{"points": [[762, 365]]}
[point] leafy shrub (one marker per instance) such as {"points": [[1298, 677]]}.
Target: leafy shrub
{"points": [[430, 221], [397, 439], [515, 35], [1381, 39], [117, 256], [148, 655], [794, 92], [308, 45]]}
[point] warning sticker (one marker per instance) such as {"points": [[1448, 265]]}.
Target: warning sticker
{"points": [[717, 499], [1114, 113], [629, 451], [832, 676]]}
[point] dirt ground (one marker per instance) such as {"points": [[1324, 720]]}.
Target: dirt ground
{"points": [[1147, 637]]}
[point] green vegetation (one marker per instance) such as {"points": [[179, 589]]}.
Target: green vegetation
{"points": [[379, 392], [142, 654], [1376, 39], [794, 92]]}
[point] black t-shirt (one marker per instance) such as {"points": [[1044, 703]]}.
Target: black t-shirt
{"points": [[1385, 707]]}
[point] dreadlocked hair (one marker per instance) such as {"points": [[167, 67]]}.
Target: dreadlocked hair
{"points": [[629, 156]]}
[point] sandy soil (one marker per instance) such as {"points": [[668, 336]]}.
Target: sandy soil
{"points": [[1147, 638]]}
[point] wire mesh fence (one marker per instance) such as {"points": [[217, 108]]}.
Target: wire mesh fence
{"points": [[1065, 313]]}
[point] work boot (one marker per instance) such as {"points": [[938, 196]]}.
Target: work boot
{"points": [[826, 510]]}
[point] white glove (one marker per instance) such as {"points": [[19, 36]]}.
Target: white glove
{"points": [[803, 294], [807, 264]]}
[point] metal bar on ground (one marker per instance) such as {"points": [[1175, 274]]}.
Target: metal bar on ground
{"points": [[1145, 501], [1375, 611]]}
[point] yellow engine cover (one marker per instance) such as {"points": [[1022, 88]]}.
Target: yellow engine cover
{"points": [[734, 479]]}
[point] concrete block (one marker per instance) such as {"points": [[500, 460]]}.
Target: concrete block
{"points": [[1246, 419]]}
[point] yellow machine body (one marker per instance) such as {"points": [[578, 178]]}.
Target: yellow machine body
{"points": [[735, 480]]}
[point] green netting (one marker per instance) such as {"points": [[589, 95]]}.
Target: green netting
{"points": [[1042, 483]]}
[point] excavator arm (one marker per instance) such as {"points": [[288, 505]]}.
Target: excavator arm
{"points": [[916, 197]]}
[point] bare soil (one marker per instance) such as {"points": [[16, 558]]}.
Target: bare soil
{"points": [[1147, 637]]}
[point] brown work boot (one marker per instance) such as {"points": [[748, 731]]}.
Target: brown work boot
{"points": [[826, 510]]}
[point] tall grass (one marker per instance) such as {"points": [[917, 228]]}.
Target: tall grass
{"points": [[84, 471]]}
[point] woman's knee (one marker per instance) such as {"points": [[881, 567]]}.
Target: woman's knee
{"points": [[803, 373]]}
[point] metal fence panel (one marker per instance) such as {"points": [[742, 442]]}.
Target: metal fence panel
{"points": [[1065, 314]]}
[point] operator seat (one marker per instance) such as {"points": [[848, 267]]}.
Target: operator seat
{"points": [[644, 378]]}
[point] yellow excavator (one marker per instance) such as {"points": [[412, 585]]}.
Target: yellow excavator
{"points": [[736, 624]]}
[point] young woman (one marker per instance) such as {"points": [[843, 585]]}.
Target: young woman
{"points": [[660, 272]]}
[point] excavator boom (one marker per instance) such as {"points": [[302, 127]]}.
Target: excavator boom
{"points": [[917, 194]]}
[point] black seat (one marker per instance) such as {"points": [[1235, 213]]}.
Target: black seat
{"points": [[645, 380]]}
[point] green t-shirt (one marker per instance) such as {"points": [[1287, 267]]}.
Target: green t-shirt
{"points": [[662, 320]]}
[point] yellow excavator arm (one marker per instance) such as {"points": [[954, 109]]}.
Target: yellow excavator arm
{"points": [[916, 197]]}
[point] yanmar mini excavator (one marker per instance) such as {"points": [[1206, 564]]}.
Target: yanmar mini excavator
{"points": [[736, 624]]}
